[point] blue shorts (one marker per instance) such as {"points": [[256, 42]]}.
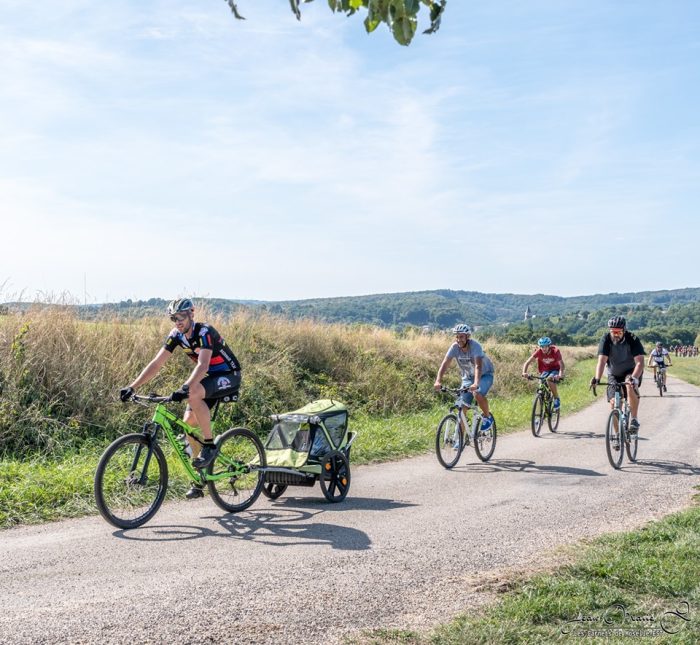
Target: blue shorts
{"points": [[550, 373], [485, 384]]}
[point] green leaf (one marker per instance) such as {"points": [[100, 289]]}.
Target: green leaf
{"points": [[371, 25], [404, 28]]}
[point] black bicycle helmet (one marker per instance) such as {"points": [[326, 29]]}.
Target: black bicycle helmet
{"points": [[180, 305], [618, 322]]}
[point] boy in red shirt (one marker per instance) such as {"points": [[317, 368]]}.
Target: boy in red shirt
{"points": [[549, 363]]}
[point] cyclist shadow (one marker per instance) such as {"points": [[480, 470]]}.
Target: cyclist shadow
{"points": [[271, 526], [348, 504], [525, 465], [576, 435], [660, 467], [290, 526]]}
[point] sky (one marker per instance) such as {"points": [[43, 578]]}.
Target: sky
{"points": [[163, 148]]}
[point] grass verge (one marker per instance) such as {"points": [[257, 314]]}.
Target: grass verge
{"points": [[642, 586], [43, 488], [686, 369]]}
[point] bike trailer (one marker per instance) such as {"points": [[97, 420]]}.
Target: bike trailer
{"points": [[301, 438]]}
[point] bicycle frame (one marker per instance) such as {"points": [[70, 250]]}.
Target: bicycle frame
{"points": [[171, 425], [462, 408]]}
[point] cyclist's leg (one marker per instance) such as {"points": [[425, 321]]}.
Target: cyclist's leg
{"points": [[466, 396], [633, 399], [203, 396], [485, 385], [553, 383]]}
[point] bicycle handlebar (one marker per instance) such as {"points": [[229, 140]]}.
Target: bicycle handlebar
{"points": [[592, 386], [453, 390], [151, 398], [549, 377]]}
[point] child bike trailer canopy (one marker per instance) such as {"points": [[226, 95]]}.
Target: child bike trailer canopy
{"points": [[308, 434]]}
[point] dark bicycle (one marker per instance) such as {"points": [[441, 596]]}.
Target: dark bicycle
{"points": [[618, 437], [660, 379], [543, 405]]}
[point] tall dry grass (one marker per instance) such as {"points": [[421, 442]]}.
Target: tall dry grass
{"points": [[60, 375]]}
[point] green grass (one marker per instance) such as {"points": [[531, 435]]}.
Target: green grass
{"points": [[686, 369], [41, 488], [650, 571], [412, 434]]}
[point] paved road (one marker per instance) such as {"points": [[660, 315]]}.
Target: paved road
{"points": [[412, 545]]}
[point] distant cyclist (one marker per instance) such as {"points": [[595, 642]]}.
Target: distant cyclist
{"points": [[549, 363], [476, 369], [659, 357], [216, 374], [623, 354]]}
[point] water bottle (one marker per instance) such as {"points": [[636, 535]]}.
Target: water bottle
{"points": [[185, 444]]}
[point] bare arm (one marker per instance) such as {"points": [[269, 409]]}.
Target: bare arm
{"points": [[152, 368], [527, 362], [202, 367], [478, 363], [638, 366], [441, 372], [602, 361]]}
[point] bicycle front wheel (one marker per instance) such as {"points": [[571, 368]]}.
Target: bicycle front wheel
{"points": [[236, 475], [613, 444], [485, 441], [131, 481], [631, 441], [552, 417], [449, 441], [537, 415], [660, 383]]}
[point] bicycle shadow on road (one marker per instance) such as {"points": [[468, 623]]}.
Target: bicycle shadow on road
{"points": [[671, 396], [271, 526], [289, 526], [524, 465], [660, 467], [348, 504], [573, 435]]}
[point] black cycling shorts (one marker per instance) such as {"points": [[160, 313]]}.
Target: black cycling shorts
{"points": [[217, 386], [620, 378]]}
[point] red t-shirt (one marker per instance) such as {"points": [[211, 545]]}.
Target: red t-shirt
{"points": [[550, 361]]}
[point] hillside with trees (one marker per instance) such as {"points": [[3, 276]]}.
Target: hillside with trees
{"points": [[672, 316]]}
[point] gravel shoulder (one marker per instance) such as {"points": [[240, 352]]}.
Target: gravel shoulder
{"points": [[412, 545]]}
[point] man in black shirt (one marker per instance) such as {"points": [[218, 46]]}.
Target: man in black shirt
{"points": [[216, 374], [623, 354]]}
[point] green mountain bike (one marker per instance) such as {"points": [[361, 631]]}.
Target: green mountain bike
{"points": [[132, 475]]}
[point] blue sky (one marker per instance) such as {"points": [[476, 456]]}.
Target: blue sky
{"points": [[156, 149]]}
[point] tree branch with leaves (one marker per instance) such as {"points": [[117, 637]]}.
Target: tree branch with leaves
{"points": [[400, 16]]}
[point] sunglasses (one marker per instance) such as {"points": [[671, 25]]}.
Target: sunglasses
{"points": [[617, 331], [180, 318]]}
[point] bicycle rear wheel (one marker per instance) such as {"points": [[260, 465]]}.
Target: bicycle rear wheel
{"points": [[131, 481], [613, 444], [552, 417], [537, 415], [485, 441], [237, 469], [449, 441]]}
